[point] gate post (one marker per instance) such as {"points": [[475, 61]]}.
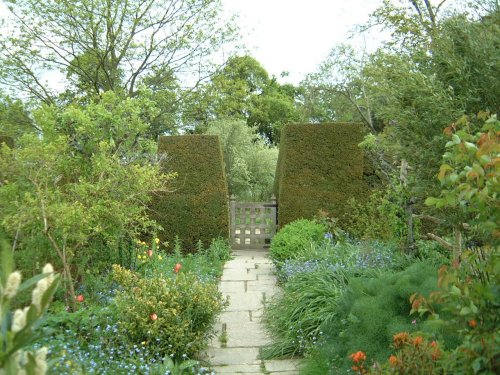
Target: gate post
{"points": [[274, 212], [232, 208]]}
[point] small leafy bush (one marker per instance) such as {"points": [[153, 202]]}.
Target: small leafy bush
{"points": [[294, 237], [179, 311]]}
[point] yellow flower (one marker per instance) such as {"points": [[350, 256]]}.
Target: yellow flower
{"points": [[157, 241], [139, 256], [160, 257]]}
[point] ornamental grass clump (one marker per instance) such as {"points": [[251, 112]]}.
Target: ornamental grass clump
{"points": [[294, 318], [174, 315]]}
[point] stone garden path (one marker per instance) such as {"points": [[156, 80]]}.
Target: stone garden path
{"points": [[248, 280]]}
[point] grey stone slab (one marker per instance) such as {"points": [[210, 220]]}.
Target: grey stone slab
{"points": [[268, 289], [238, 369], [244, 301], [246, 334], [237, 317], [282, 365], [232, 286], [237, 275], [233, 356], [266, 277]]}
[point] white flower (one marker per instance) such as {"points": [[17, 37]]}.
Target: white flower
{"points": [[50, 270], [13, 282], [41, 361], [19, 320], [36, 297]]}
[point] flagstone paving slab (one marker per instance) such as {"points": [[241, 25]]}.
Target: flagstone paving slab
{"points": [[248, 280]]}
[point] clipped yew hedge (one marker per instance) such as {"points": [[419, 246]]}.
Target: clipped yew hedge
{"points": [[320, 166], [197, 209]]}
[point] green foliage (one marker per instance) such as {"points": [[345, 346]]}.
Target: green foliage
{"points": [[294, 237], [374, 218], [104, 45], [469, 295], [319, 168], [6, 140], [180, 311], [197, 208], [294, 318], [14, 119], [80, 191], [243, 90], [20, 329], [249, 162], [470, 178], [370, 312]]}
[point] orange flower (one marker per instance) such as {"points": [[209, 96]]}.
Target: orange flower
{"points": [[80, 298], [417, 340], [177, 267], [393, 360], [358, 357], [435, 354], [400, 339], [153, 316], [150, 253], [434, 344], [472, 323]]}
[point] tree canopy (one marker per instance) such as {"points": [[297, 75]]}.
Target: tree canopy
{"points": [[102, 45]]}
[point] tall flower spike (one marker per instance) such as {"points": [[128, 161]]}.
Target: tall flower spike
{"points": [[13, 282]]}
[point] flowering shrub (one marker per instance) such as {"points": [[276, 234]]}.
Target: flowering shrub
{"points": [[414, 355], [175, 315]]}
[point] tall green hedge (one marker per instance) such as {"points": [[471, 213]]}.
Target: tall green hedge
{"points": [[320, 166], [7, 140], [197, 209]]}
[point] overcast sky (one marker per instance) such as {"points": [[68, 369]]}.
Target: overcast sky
{"points": [[295, 36]]}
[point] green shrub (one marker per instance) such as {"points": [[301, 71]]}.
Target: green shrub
{"points": [[374, 218], [175, 316], [197, 207], [370, 312], [294, 237], [319, 168]]}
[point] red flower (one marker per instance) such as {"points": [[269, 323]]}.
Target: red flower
{"points": [[153, 316], [150, 253], [80, 298], [177, 267]]}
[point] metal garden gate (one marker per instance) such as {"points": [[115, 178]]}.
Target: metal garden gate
{"points": [[253, 224]]}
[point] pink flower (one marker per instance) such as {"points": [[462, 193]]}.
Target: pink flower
{"points": [[150, 253], [177, 267], [80, 298], [153, 316]]}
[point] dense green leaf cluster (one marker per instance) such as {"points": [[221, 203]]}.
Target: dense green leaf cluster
{"points": [[294, 237]]}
